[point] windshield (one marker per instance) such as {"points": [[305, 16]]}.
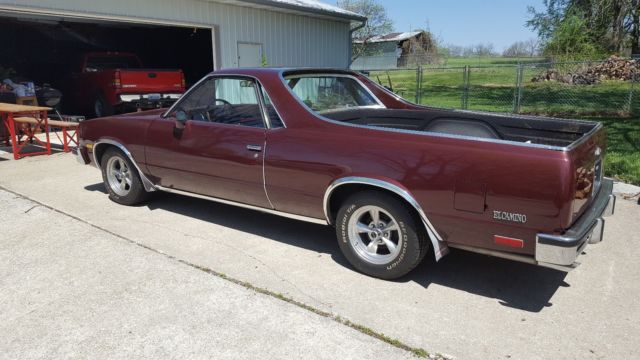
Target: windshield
{"points": [[102, 62], [325, 93]]}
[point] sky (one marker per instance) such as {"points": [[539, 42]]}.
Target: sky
{"points": [[465, 22]]}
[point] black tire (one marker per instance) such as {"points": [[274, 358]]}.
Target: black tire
{"points": [[410, 251], [133, 192], [101, 107]]}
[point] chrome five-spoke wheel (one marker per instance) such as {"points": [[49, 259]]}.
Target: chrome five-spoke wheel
{"points": [[121, 178], [374, 235], [379, 235], [119, 175]]}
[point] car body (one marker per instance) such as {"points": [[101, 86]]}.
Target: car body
{"points": [[311, 140], [110, 82]]}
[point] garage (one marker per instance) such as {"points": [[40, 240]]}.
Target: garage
{"points": [[60, 44], [44, 41]]}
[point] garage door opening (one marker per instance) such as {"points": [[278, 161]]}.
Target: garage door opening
{"points": [[49, 49]]}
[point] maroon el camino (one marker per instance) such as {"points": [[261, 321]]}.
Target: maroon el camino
{"points": [[395, 179]]}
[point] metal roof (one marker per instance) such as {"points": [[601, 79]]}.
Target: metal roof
{"points": [[309, 6], [391, 37]]}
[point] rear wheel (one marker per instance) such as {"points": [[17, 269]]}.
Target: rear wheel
{"points": [[379, 236], [121, 179], [101, 107]]}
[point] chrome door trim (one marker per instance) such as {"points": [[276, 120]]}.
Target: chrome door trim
{"points": [[440, 248], [242, 205], [264, 175], [148, 185]]}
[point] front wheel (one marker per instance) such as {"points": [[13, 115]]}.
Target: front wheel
{"points": [[379, 236], [121, 178]]}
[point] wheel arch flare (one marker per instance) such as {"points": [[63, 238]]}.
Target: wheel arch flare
{"points": [[440, 248]]}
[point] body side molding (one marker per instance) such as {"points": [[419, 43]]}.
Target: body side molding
{"points": [[148, 185], [242, 205], [440, 248]]}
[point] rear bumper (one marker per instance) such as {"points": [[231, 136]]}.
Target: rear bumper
{"points": [[148, 101], [561, 251]]}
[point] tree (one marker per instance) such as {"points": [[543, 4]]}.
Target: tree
{"points": [[487, 49], [609, 25], [378, 23], [480, 49], [635, 27], [572, 40], [546, 22], [517, 49], [522, 48], [532, 46]]}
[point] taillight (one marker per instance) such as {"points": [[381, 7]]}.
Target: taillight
{"points": [[507, 241], [116, 80]]}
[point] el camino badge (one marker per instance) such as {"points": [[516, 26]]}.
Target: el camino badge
{"points": [[507, 216]]}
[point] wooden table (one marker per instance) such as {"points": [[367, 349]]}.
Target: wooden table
{"points": [[9, 112]]}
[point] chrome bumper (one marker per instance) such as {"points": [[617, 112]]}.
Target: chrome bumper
{"points": [[561, 251], [149, 97]]}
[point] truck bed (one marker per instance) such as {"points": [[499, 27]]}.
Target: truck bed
{"points": [[543, 131]]}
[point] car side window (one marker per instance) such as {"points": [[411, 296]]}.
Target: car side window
{"points": [[274, 118], [224, 100]]}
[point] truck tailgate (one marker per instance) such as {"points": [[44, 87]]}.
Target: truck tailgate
{"points": [[586, 160], [151, 81]]}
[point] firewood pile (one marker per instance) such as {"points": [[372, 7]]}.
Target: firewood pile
{"points": [[614, 68]]}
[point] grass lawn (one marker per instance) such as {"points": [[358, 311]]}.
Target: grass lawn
{"points": [[493, 89], [623, 148], [476, 61]]}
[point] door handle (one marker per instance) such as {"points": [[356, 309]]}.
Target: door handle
{"points": [[254, 148]]}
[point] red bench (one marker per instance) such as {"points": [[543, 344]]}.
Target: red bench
{"points": [[69, 129]]}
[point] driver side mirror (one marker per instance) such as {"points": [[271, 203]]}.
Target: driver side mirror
{"points": [[178, 127], [181, 119]]}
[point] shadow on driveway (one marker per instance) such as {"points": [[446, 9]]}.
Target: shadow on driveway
{"points": [[513, 284], [31, 148]]}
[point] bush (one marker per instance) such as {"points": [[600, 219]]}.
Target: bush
{"points": [[572, 41]]}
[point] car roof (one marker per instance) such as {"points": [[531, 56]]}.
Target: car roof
{"points": [[256, 72]]}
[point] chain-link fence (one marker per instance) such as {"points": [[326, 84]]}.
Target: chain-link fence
{"points": [[570, 88]]}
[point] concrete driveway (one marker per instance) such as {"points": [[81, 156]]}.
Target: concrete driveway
{"points": [[72, 291], [469, 306]]}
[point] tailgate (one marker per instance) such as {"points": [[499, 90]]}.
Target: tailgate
{"points": [[152, 81], [586, 158]]}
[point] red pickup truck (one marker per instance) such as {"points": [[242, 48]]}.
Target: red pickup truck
{"points": [[397, 180], [109, 82]]}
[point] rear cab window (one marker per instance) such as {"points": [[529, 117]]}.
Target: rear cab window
{"points": [[324, 93]]}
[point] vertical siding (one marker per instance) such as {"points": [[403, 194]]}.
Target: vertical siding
{"points": [[287, 39]]}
